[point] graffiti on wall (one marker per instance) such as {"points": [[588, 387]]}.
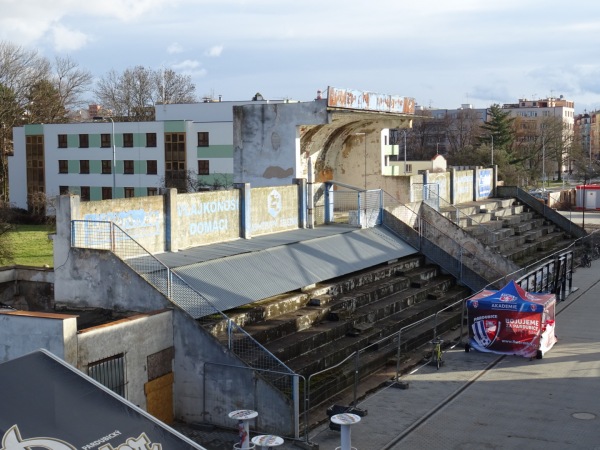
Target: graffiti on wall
{"points": [[277, 220], [208, 216], [138, 223], [485, 183]]}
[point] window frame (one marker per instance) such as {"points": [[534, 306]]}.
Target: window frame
{"points": [[63, 141], [203, 139], [127, 140], [128, 167], [106, 163], [152, 167], [84, 140], [203, 167], [105, 140], [151, 140], [84, 166], [63, 166]]}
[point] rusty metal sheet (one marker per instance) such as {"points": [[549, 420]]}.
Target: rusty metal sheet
{"points": [[369, 101]]}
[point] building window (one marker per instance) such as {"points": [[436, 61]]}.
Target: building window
{"points": [[203, 167], [84, 166], [152, 191], [203, 139], [63, 166], [106, 193], [63, 190], [106, 166], [34, 155], [105, 140], [129, 192], [85, 193], [127, 139], [84, 141], [150, 139], [128, 167], [151, 167], [62, 141], [408, 168], [110, 372], [175, 161]]}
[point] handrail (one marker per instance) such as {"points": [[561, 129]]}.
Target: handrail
{"points": [[105, 235], [423, 224], [480, 224]]}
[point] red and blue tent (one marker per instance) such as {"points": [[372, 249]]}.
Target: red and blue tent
{"points": [[511, 321]]}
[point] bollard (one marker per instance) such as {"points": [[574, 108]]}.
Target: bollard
{"points": [[243, 417], [345, 421], [267, 441]]}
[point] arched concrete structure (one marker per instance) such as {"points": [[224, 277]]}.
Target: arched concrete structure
{"points": [[275, 143]]}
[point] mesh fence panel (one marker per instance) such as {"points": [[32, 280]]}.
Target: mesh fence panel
{"points": [[108, 236]]}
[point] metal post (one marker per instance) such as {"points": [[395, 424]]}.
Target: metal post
{"points": [[492, 136], [404, 131], [356, 366]]}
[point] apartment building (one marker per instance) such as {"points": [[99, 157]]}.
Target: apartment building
{"points": [[101, 159]]}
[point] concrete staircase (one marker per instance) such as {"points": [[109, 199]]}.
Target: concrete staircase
{"points": [[316, 329], [510, 229]]}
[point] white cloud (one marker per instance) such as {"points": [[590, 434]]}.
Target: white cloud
{"points": [[189, 67], [214, 51], [66, 40], [175, 47]]}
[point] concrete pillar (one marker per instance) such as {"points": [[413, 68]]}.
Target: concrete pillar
{"points": [[171, 222], [302, 201], [453, 186], [67, 209], [245, 210]]}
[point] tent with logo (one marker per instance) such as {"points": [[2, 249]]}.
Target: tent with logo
{"points": [[511, 321], [45, 403]]}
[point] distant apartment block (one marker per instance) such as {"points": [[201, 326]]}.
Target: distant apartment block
{"points": [[191, 142]]}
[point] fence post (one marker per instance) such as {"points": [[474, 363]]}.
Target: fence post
{"points": [[398, 355], [356, 366], [112, 237], [296, 399]]}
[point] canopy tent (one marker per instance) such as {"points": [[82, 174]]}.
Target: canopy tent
{"points": [[48, 404], [511, 321]]}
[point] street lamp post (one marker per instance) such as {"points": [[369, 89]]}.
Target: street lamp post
{"points": [[492, 136]]}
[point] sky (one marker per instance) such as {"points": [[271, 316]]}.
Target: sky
{"points": [[442, 53]]}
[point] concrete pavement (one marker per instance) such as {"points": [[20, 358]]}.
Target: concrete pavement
{"points": [[485, 401]]}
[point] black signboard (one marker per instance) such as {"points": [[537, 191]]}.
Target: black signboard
{"points": [[45, 403]]}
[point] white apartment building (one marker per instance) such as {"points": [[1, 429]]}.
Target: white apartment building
{"points": [[102, 160]]}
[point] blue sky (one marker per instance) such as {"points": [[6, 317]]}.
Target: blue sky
{"points": [[441, 52]]}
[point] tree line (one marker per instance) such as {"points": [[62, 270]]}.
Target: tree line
{"points": [[524, 150], [34, 89]]}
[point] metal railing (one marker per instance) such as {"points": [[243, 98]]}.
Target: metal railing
{"points": [[109, 236], [438, 245], [459, 215]]}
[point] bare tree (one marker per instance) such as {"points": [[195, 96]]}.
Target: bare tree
{"points": [[133, 94], [71, 82]]}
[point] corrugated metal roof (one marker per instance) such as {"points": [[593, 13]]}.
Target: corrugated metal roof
{"points": [[279, 263]]}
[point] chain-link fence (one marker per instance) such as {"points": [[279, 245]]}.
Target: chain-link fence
{"points": [[108, 236]]}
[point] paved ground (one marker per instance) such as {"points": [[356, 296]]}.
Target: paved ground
{"points": [[485, 401]]}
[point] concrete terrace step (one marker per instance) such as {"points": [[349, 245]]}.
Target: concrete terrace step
{"points": [[288, 303], [366, 317]]}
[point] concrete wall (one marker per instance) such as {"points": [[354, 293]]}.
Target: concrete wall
{"points": [[27, 288], [210, 383], [142, 218], [24, 332], [484, 183], [443, 181], [462, 186], [266, 141], [206, 217], [136, 337], [273, 209]]}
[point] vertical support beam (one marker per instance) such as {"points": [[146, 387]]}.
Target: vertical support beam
{"points": [[328, 202], [67, 209], [171, 222], [245, 210], [302, 201], [453, 187]]}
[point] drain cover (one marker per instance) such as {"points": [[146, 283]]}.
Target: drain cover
{"points": [[584, 416]]}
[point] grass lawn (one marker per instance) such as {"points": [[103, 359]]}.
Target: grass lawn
{"points": [[30, 245]]}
